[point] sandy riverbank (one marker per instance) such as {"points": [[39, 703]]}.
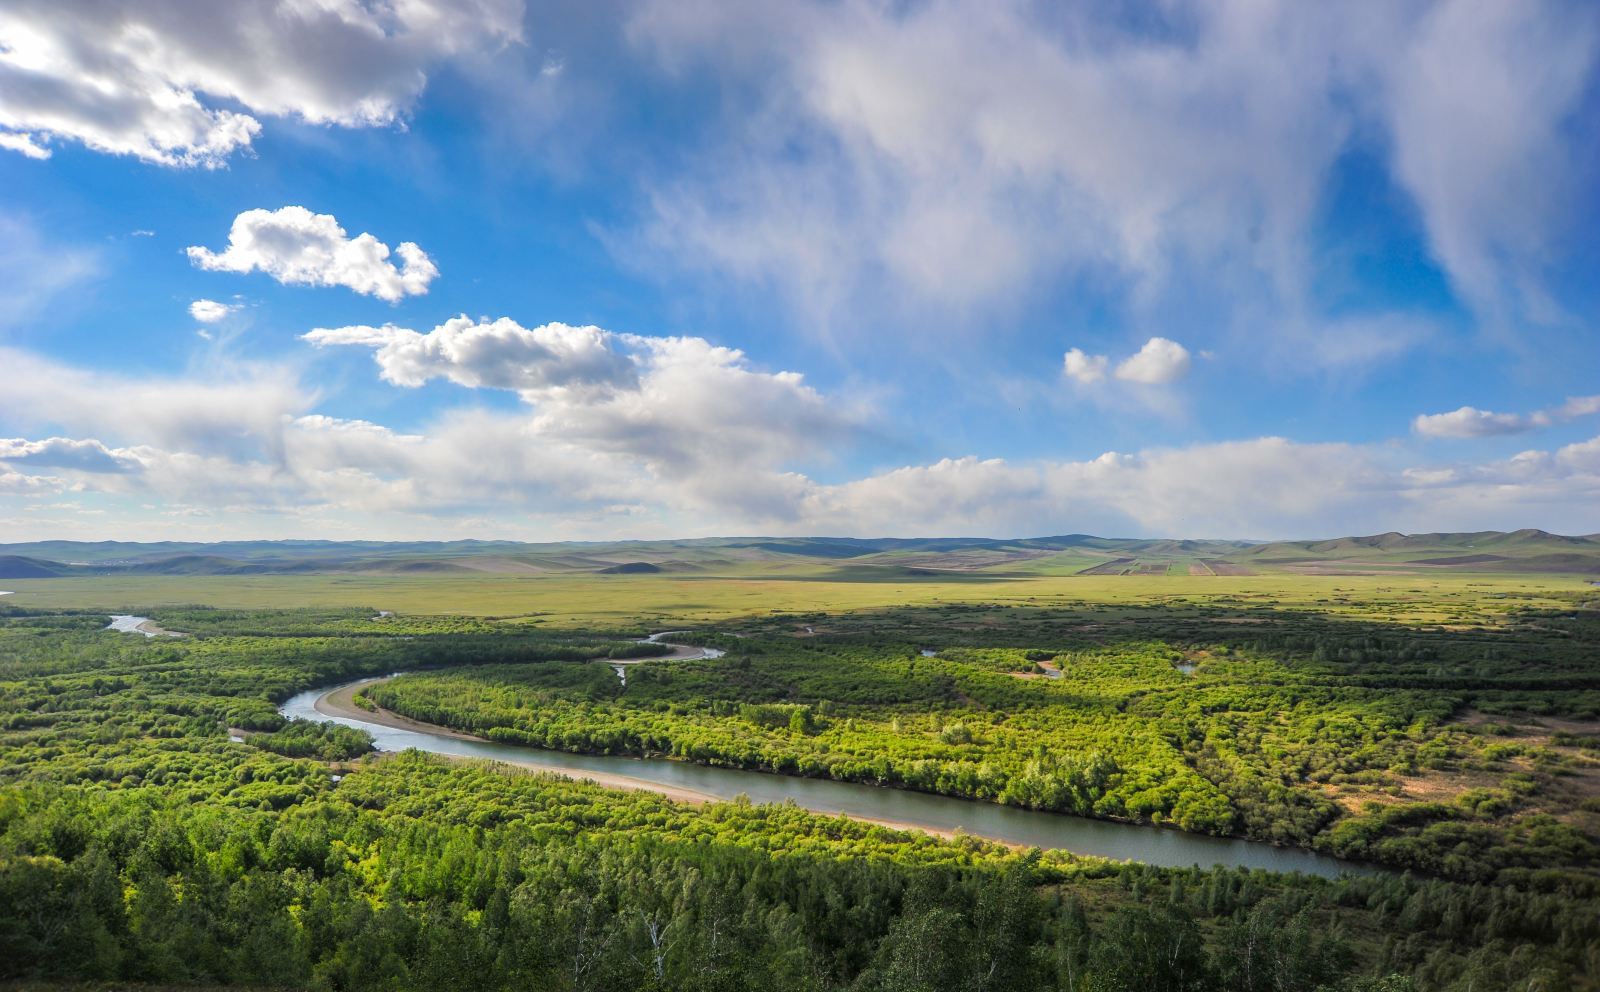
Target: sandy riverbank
{"points": [[341, 703], [125, 624]]}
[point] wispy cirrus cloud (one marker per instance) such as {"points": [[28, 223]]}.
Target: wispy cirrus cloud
{"points": [[953, 158], [236, 411], [36, 269]]}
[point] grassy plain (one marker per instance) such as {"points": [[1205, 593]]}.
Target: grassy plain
{"points": [[629, 600]]}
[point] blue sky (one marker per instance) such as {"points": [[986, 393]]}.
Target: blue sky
{"points": [[680, 269]]}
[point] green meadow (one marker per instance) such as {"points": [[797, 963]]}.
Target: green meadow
{"points": [[626, 600]]}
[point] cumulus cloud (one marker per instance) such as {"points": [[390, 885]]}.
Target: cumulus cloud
{"points": [[178, 82], [210, 311], [1468, 422], [298, 247], [1159, 362], [1084, 368], [643, 408], [500, 354], [701, 416], [1581, 456]]}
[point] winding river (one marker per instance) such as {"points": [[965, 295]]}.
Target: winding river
{"points": [[897, 807]]}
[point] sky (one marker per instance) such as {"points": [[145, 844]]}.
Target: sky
{"points": [[438, 269]]}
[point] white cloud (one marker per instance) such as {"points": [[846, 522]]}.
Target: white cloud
{"points": [[210, 311], [686, 438], [509, 473], [1582, 456], [1578, 406], [67, 453], [621, 409], [1479, 100], [689, 425], [24, 144], [176, 82], [1471, 422], [501, 354], [235, 411], [21, 484], [1159, 362], [1084, 368], [1261, 488], [298, 247], [957, 153], [950, 156], [702, 417], [1467, 421]]}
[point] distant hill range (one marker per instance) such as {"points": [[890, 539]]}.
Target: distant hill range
{"points": [[1531, 551]]}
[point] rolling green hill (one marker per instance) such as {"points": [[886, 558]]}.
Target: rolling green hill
{"points": [[1523, 551]]}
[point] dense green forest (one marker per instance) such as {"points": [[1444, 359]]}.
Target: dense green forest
{"points": [[139, 842]]}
